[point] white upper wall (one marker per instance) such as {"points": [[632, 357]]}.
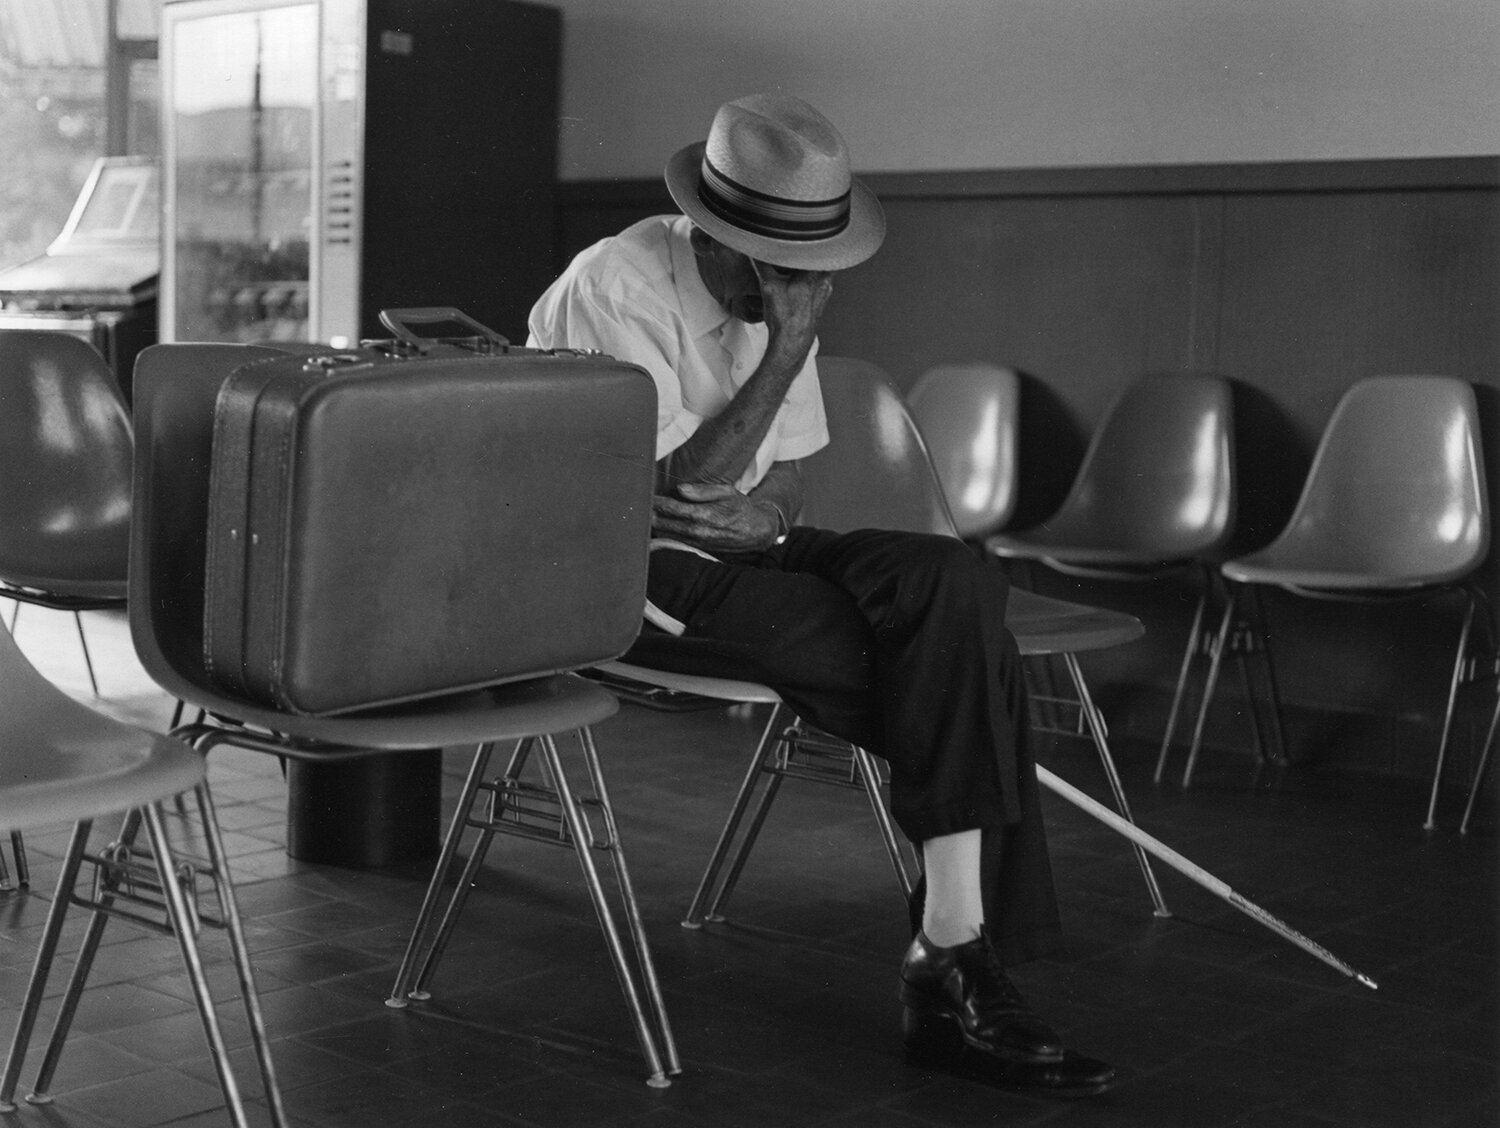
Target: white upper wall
{"points": [[964, 84]]}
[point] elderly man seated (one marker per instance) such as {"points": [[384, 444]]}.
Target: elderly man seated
{"points": [[891, 640]]}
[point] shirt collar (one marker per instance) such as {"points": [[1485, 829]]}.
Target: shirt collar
{"points": [[700, 311]]}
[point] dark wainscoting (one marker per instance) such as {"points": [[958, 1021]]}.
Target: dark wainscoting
{"points": [[1293, 279]]}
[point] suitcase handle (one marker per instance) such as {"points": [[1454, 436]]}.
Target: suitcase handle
{"points": [[401, 321]]}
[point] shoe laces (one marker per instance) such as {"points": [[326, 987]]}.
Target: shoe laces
{"points": [[996, 984]]}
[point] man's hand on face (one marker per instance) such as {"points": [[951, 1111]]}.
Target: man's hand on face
{"points": [[793, 300], [715, 517]]}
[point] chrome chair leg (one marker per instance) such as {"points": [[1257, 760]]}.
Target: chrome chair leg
{"points": [[583, 846], [1281, 754], [1262, 756], [240, 948], [1098, 731], [772, 758], [428, 941], [705, 891], [770, 767], [23, 867], [1216, 658], [634, 921], [1189, 652], [42, 966], [83, 963], [184, 925], [87, 661], [418, 991], [408, 980], [1453, 684], [869, 774], [1484, 763]]}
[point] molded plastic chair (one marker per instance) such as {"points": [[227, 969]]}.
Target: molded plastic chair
{"points": [[875, 473], [969, 414], [175, 390], [1394, 506], [1155, 494], [65, 453], [61, 761]]}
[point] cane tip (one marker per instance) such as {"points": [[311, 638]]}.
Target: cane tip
{"points": [[1367, 981]]}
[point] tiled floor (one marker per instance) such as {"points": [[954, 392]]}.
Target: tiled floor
{"points": [[788, 1016]]}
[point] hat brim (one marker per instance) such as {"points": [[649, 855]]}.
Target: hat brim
{"points": [[851, 246]]}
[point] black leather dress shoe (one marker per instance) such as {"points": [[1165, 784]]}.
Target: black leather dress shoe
{"points": [[961, 996]]}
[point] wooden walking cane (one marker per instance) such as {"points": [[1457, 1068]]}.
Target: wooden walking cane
{"points": [[1195, 872]]}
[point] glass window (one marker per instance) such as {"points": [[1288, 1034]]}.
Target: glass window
{"points": [[54, 120]]}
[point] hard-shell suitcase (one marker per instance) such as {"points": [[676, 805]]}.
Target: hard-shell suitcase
{"points": [[415, 517]]}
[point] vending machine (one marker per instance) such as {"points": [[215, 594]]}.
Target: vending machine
{"points": [[326, 159]]}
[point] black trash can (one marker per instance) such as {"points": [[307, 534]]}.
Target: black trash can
{"points": [[368, 813]]}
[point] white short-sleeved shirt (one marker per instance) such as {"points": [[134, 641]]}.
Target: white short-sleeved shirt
{"points": [[638, 297]]}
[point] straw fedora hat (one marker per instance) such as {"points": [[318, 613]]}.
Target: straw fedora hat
{"points": [[773, 182]]}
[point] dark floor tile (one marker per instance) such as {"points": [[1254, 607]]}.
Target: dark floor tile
{"points": [[87, 1061], [144, 1099], [1370, 1034], [458, 1113], [120, 1006], [177, 1037], [947, 1101], [51, 1116], [359, 1099], [551, 1100], [256, 1112], [876, 1117], [786, 1014], [295, 1063], [1430, 1092], [302, 1009]]}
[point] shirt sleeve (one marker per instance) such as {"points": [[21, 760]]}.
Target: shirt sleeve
{"points": [[627, 324]]}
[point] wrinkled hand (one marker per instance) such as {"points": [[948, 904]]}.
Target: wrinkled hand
{"points": [[793, 301], [715, 517]]}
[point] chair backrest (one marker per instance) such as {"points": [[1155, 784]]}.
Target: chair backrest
{"points": [[65, 455], [1158, 475], [970, 416], [875, 472], [1397, 485]]}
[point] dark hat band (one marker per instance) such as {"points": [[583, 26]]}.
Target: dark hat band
{"points": [[771, 216]]}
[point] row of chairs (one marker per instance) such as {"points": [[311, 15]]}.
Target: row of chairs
{"points": [[78, 765], [1393, 507], [880, 454]]}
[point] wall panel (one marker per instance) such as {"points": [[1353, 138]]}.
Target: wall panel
{"points": [[1292, 279]]}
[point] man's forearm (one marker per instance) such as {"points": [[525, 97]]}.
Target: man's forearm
{"points": [[721, 448]]}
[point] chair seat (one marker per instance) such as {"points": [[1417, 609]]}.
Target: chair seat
{"points": [[64, 762], [512, 711], [722, 689], [64, 594], [1043, 625], [1312, 573], [1058, 548]]}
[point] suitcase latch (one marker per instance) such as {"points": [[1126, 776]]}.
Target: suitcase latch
{"points": [[325, 362]]}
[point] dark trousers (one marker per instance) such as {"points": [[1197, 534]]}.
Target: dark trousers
{"points": [[896, 642]]}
